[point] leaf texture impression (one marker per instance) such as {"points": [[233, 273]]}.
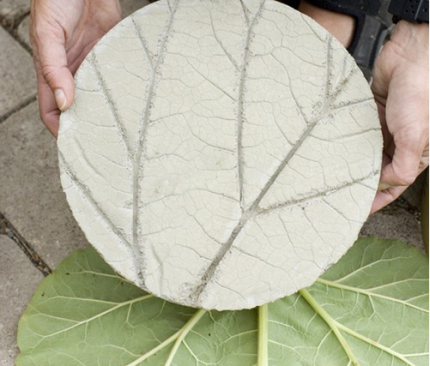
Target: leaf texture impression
{"points": [[369, 309], [220, 154]]}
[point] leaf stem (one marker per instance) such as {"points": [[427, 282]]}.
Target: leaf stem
{"points": [[178, 336], [263, 335], [330, 322], [375, 344], [183, 333]]}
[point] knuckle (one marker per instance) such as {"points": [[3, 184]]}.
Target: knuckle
{"points": [[48, 72], [406, 178], [409, 135]]}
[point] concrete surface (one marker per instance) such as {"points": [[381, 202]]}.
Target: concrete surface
{"points": [[30, 195], [23, 32], [11, 11], [19, 279], [17, 77]]}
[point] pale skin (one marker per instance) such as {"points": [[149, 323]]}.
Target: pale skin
{"points": [[64, 31]]}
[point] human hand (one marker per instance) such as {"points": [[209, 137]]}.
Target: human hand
{"points": [[401, 91], [62, 32], [341, 26]]}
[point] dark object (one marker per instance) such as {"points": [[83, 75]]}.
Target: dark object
{"points": [[372, 28], [416, 11], [425, 214], [293, 3]]}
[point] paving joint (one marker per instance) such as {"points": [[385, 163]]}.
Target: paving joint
{"points": [[18, 107], [11, 26], [6, 228]]}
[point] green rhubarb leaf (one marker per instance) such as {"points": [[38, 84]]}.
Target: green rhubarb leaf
{"points": [[371, 308]]}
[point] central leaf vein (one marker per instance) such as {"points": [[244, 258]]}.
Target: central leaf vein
{"points": [[137, 169]]}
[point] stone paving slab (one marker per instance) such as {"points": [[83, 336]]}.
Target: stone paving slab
{"points": [[31, 196], [19, 280], [23, 31], [12, 10], [17, 76]]}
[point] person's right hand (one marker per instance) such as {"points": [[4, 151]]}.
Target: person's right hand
{"points": [[62, 32]]}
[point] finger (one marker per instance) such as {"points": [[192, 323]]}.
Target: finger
{"points": [[384, 198], [53, 66], [404, 167], [49, 112]]}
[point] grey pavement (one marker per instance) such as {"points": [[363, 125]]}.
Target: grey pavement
{"points": [[12, 11], [17, 77], [37, 229], [19, 279]]}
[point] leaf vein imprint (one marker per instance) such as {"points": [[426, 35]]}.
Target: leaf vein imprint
{"points": [[253, 210], [137, 170], [86, 192], [240, 110]]}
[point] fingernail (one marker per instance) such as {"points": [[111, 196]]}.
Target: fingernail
{"points": [[60, 98], [383, 186]]}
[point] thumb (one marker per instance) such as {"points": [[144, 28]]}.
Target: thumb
{"points": [[54, 70]]}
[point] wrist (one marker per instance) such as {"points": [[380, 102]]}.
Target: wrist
{"points": [[341, 26]]}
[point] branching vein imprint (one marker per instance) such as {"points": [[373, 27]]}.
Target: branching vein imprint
{"points": [[137, 169], [253, 210], [215, 110], [240, 109]]}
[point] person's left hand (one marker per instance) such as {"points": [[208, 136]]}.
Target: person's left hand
{"points": [[401, 89]]}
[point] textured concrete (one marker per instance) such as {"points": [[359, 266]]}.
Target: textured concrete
{"points": [[12, 10], [31, 196], [200, 199], [19, 279], [17, 76]]}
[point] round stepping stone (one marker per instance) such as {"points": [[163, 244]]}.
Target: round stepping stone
{"points": [[220, 154]]}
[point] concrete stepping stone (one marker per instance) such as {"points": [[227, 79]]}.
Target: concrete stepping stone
{"points": [[220, 154]]}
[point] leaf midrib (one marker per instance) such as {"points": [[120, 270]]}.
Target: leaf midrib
{"points": [[139, 261]]}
